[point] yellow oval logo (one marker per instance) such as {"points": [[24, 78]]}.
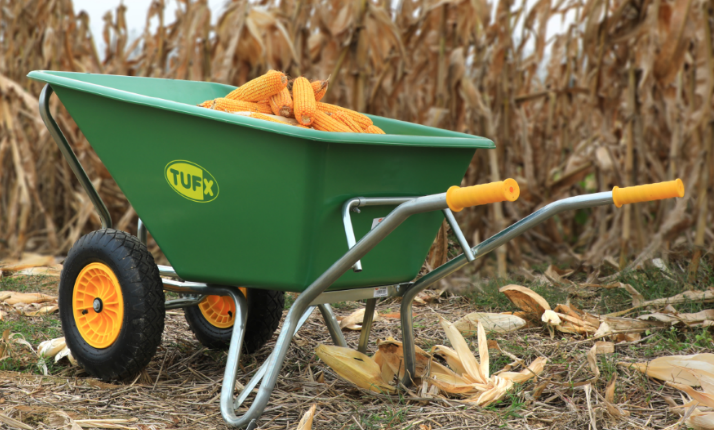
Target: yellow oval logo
{"points": [[191, 181]]}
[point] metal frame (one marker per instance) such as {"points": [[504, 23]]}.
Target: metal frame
{"points": [[316, 295]]}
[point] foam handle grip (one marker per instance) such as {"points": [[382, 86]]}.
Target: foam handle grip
{"points": [[458, 198], [647, 193]]}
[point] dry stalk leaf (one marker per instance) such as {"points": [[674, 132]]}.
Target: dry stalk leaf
{"points": [[670, 368], [525, 299], [354, 367], [706, 399], [50, 348], [27, 261], [492, 322]]}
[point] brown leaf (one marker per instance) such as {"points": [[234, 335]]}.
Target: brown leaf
{"points": [[525, 299]]}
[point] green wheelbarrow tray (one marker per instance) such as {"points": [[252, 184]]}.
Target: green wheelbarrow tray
{"points": [[234, 200]]}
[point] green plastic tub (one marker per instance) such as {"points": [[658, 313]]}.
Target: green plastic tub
{"points": [[234, 200]]}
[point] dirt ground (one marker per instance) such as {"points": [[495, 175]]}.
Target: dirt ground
{"points": [[180, 388]]}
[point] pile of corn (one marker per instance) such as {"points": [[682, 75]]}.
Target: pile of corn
{"points": [[272, 98]]}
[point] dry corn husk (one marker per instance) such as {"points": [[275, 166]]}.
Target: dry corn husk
{"points": [[13, 298], [701, 420], [306, 420], [534, 369], [354, 320], [526, 299], [492, 322], [671, 368], [391, 355], [354, 367]]}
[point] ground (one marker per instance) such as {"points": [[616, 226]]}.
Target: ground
{"points": [[181, 386]]}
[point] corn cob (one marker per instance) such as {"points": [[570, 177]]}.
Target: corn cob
{"points": [[263, 106], [348, 121], [226, 105], [357, 117], [260, 88], [267, 118], [324, 122], [303, 101], [320, 88], [281, 103], [373, 129]]}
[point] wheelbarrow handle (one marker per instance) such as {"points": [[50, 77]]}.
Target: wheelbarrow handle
{"points": [[647, 193], [459, 198]]}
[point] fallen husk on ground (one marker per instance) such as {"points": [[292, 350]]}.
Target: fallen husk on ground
{"points": [[492, 322], [566, 318], [354, 320], [684, 372], [463, 376], [306, 420], [28, 304]]}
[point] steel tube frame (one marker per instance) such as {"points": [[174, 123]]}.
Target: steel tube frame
{"points": [[71, 158], [488, 245], [275, 361], [367, 321]]}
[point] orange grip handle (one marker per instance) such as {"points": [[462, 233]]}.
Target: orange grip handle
{"points": [[458, 198], [647, 193]]}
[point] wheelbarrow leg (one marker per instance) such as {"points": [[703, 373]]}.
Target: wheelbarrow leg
{"points": [[332, 325], [303, 301], [264, 367], [141, 231], [366, 325]]}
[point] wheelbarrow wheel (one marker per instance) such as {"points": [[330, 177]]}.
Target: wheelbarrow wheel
{"points": [[111, 304], [211, 321]]}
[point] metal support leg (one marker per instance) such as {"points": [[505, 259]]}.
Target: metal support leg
{"points": [[71, 158], [332, 325], [264, 367], [366, 325], [488, 245], [275, 361], [229, 377], [141, 231]]}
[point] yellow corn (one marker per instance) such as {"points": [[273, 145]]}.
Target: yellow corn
{"points": [[226, 105], [373, 129], [303, 101], [260, 88], [324, 122], [263, 106], [282, 104], [348, 121], [267, 118], [320, 88], [357, 117]]}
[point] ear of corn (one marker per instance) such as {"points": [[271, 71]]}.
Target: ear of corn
{"points": [[263, 106], [227, 105], [360, 119], [355, 367], [319, 88], [373, 129], [260, 88], [348, 121], [324, 122], [282, 103], [259, 115], [304, 104]]}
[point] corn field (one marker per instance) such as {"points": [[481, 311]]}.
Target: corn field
{"points": [[622, 96]]}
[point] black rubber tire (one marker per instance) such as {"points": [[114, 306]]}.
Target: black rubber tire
{"points": [[143, 293], [265, 309]]}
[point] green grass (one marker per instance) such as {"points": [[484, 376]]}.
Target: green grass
{"points": [[29, 284]]}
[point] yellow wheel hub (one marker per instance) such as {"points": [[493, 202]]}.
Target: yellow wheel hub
{"points": [[219, 311], [98, 305]]}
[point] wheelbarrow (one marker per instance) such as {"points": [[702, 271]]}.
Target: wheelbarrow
{"points": [[245, 210]]}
